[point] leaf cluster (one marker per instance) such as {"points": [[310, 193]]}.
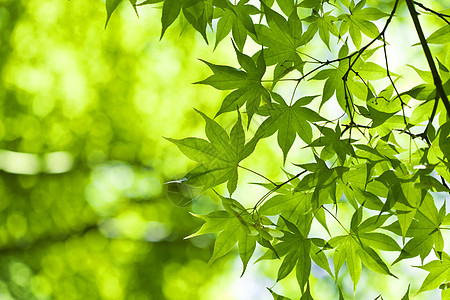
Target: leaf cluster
{"points": [[362, 165]]}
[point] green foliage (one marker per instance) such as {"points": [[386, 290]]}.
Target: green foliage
{"points": [[384, 162]]}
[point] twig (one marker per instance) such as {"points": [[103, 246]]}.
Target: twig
{"points": [[440, 15], [436, 78]]}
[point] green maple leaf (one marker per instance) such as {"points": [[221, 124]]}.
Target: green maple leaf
{"points": [[349, 249], [246, 84], [325, 24], [358, 247], [281, 39], [219, 158], [375, 240], [288, 120], [234, 18], [334, 83], [359, 20], [297, 256], [198, 13], [321, 181], [333, 144], [295, 249], [424, 230], [233, 226], [439, 271]]}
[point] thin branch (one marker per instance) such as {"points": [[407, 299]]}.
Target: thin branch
{"points": [[436, 78], [392, 82], [337, 220], [440, 15], [386, 25], [277, 187]]}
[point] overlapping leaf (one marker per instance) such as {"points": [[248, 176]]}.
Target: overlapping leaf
{"points": [[297, 252], [282, 38], [333, 144], [324, 24], [424, 231], [372, 176], [334, 83], [198, 13], [359, 21], [234, 18]]}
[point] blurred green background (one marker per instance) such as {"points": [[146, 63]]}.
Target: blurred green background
{"points": [[84, 212], [85, 208]]}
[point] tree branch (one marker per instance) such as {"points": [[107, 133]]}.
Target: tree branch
{"points": [[429, 57], [440, 15]]}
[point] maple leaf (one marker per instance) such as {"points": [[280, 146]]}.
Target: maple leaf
{"points": [[297, 252], [233, 226], [219, 158], [246, 84], [358, 247], [325, 24], [439, 271], [359, 20], [424, 229], [281, 39], [198, 13], [332, 143], [235, 18], [334, 81], [288, 120]]}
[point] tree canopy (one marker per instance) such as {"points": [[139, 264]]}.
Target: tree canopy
{"points": [[377, 173]]}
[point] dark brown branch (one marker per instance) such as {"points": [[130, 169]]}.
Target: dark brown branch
{"points": [[440, 15], [393, 84], [436, 78]]}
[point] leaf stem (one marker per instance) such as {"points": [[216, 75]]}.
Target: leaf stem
{"points": [[436, 78], [326, 209], [277, 187], [259, 174]]}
